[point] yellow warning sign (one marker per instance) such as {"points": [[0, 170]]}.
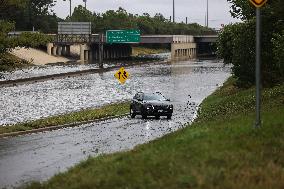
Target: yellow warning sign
{"points": [[258, 3], [122, 75]]}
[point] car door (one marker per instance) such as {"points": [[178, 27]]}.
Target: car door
{"points": [[139, 105], [137, 102], [134, 103]]}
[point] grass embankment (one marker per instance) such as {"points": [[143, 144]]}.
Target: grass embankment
{"points": [[145, 51], [221, 149], [80, 116], [9, 62]]}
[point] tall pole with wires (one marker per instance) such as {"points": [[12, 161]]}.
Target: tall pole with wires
{"points": [[207, 15], [70, 10], [85, 1], [173, 11]]}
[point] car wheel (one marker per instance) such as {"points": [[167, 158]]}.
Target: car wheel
{"points": [[169, 117], [144, 116], [157, 117], [132, 113]]}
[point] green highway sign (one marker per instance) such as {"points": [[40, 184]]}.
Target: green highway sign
{"points": [[123, 36]]}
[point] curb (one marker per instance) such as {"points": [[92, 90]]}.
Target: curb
{"points": [[18, 133]]}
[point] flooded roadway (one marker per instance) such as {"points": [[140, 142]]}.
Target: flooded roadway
{"points": [[39, 156]]}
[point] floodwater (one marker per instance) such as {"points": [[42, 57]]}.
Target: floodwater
{"points": [[50, 69], [40, 156], [33, 101], [36, 71]]}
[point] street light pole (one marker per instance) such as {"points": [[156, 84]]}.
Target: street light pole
{"points": [[85, 1], [173, 11], [207, 23], [70, 7]]}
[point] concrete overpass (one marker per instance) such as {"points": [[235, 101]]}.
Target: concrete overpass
{"points": [[182, 46], [206, 38]]}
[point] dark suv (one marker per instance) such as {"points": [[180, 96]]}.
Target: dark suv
{"points": [[152, 104]]}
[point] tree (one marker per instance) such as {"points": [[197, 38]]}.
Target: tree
{"points": [[80, 14], [236, 43], [5, 42], [278, 52], [29, 14], [24, 40]]}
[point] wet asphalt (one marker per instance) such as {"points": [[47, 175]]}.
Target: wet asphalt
{"points": [[39, 156]]}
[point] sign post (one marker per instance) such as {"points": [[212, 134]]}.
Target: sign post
{"points": [[258, 4], [257, 68]]}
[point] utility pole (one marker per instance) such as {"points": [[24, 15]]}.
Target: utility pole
{"points": [[173, 11], [70, 8], [205, 19], [85, 1], [207, 23], [186, 20]]}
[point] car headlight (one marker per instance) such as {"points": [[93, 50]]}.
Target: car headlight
{"points": [[170, 107], [149, 107]]}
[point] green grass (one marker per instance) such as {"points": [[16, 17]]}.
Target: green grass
{"points": [[221, 149], [9, 62], [83, 115], [145, 51]]}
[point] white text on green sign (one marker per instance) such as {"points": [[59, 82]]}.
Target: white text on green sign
{"points": [[123, 36]]}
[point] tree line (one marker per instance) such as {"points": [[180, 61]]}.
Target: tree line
{"points": [[236, 43], [28, 15], [121, 19], [38, 14]]}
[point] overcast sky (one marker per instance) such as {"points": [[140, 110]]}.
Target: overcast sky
{"points": [[193, 9]]}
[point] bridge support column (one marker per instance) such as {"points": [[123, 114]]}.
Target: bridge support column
{"points": [[182, 50], [91, 54], [86, 55], [49, 48], [129, 52], [124, 52], [119, 52], [59, 50], [68, 50], [84, 52], [114, 53], [194, 53], [107, 53], [96, 54], [111, 53], [63, 52], [54, 50]]}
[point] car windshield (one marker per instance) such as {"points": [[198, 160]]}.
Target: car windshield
{"points": [[154, 97]]}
